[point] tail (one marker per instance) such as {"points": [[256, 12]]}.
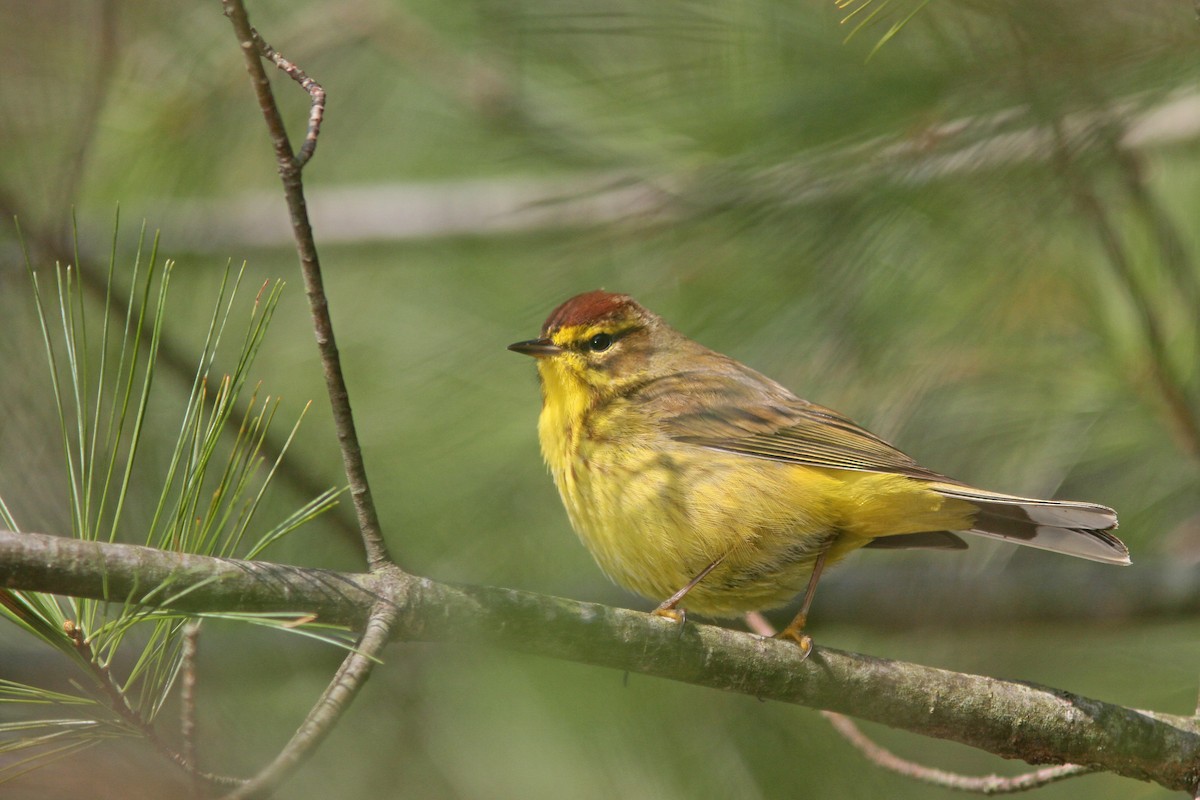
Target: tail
{"points": [[1063, 526]]}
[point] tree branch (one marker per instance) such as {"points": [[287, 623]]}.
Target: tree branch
{"points": [[881, 757], [358, 664], [1010, 719], [187, 702], [315, 92], [338, 695], [290, 168], [987, 784]]}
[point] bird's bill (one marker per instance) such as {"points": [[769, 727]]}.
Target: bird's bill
{"points": [[538, 348]]}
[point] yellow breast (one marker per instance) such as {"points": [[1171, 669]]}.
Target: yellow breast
{"points": [[655, 512]]}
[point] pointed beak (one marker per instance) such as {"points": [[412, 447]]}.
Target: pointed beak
{"points": [[538, 348]]}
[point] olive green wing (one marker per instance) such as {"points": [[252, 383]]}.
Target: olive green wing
{"points": [[736, 410]]}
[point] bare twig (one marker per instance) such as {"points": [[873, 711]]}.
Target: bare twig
{"points": [[1008, 718], [985, 784], [357, 666], [187, 698], [317, 110], [759, 624], [290, 173], [881, 757], [119, 703], [338, 695]]}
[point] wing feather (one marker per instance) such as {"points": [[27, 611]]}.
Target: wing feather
{"points": [[744, 412]]}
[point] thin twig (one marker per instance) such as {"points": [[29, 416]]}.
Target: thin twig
{"points": [[187, 697], [290, 169], [358, 664], [119, 703], [881, 757], [315, 91], [984, 784], [328, 710]]}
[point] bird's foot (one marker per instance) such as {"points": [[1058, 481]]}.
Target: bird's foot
{"points": [[795, 632], [670, 612]]}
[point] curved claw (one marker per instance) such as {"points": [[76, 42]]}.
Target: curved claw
{"points": [[802, 639], [674, 614]]}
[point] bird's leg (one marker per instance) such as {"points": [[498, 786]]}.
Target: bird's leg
{"points": [[795, 630], [667, 607]]}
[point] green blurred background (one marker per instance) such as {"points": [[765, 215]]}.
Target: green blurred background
{"points": [[915, 237]]}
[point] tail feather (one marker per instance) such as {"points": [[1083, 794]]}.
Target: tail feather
{"points": [[1063, 526]]}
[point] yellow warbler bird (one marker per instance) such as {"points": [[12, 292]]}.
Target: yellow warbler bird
{"points": [[694, 480]]}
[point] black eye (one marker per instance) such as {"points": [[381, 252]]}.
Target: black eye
{"points": [[600, 342]]}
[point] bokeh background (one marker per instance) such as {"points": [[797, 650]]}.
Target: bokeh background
{"points": [[978, 240]]}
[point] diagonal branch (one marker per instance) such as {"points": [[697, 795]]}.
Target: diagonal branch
{"points": [[886, 759], [987, 784], [118, 702], [1007, 718], [346, 683], [357, 666], [290, 167]]}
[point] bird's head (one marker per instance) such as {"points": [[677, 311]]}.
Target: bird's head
{"points": [[597, 343]]}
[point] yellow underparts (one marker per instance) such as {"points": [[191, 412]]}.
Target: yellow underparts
{"points": [[654, 512]]}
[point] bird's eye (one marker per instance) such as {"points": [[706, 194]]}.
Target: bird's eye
{"points": [[600, 342]]}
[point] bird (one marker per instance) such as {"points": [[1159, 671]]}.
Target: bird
{"points": [[696, 481]]}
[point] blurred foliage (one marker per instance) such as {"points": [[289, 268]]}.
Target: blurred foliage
{"points": [[878, 233]]}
